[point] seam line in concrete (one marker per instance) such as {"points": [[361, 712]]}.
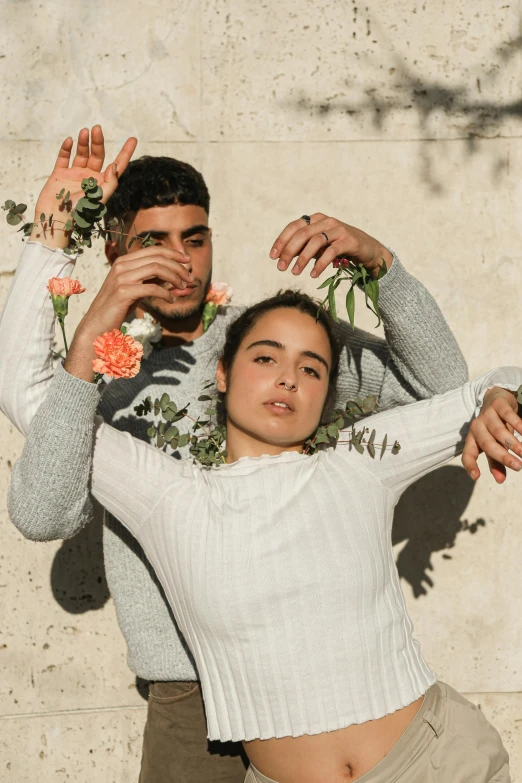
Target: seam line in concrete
{"points": [[84, 711], [415, 140]]}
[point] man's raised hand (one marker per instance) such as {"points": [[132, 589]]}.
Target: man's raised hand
{"points": [[491, 432], [87, 162], [324, 239]]}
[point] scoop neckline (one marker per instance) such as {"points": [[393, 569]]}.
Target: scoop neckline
{"points": [[284, 456]]}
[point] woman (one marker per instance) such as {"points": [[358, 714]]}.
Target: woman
{"points": [[292, 548]]}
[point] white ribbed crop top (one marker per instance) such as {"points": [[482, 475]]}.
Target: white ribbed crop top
{"points": [[280, 570]]}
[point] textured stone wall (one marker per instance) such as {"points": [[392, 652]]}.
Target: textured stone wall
{"points": [[403, 118]]}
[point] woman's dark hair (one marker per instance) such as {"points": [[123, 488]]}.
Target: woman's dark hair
{"points": [[296, 300], [152, 181]]}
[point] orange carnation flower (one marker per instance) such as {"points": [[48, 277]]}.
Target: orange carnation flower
{"points": [[64, 286], [119, 355]]}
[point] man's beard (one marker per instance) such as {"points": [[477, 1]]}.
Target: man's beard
{"points": [[161, 308]]}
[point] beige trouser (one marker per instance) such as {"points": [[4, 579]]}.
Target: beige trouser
{"points": [[448, 741]]}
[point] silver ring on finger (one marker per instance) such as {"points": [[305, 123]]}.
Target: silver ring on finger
{"points": [[306, 219], [325, 235]]}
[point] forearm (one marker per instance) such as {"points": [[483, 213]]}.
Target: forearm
{"points": [[431, 432], [27, 329], [69, 453], [80, 357], [423, 350], [49, 493]]}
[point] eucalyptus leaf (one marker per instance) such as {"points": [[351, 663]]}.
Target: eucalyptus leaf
{"points": [[79, 220], [13, 219], [170, 433], [383, 446], [20, 209]]}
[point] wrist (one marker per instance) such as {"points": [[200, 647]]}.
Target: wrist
{"points": [[383, 256], [80, 358], [497, 392], [55, 236]]}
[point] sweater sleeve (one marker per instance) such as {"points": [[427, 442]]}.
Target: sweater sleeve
{"points": [[430, 432], [27, 329], [420, 356], [69, 451]]}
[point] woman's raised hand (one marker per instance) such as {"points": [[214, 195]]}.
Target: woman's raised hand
{"points": [[491, 432], [87, 162], [324, 239]]}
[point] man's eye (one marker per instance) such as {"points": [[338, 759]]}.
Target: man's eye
{"points": [[195, 242], [311, 371], [263, 359]]}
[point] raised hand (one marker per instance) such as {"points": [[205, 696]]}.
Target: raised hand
{"points": [[491, 432], [87, 162], [324, 239], [154, 271]]}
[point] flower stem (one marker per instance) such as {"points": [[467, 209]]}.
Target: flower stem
{"points": [[62, 327]]}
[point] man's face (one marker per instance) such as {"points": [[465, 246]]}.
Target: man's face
{"points": [[182, 228]]}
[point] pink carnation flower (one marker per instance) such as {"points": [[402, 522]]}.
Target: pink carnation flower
{"points": [[219, 294], [64, 286], [119, 355]]}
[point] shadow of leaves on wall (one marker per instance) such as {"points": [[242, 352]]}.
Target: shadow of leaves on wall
{"points": [[467, 112], [429, 518]]}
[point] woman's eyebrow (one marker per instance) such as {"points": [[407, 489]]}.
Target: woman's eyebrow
{"points": [[275, 344], [271, 343], [316, 356]]}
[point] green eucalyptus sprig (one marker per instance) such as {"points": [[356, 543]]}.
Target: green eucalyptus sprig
{"points": [[344, 419], [356, 275], [84, 223], [207, 440]]}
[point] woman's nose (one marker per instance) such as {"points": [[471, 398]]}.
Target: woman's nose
{"points": [[288, 384]]}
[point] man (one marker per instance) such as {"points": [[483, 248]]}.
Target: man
{"points": [[169, 200]]}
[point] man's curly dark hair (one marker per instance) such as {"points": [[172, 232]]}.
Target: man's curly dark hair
{"points": [[152, 181]]}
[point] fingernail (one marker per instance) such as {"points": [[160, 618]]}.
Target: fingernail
{"points": [[191, 276], [295, 270], [516, 465], [281, 266], [473, 474], [273, 252], [313, 273]]}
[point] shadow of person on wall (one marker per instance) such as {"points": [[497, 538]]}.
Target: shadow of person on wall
{"points": [[77, 573], [429, 518]]}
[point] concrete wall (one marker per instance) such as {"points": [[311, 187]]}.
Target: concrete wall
{"points": [[403, 118]]}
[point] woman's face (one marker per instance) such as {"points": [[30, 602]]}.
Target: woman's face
{"points": [[278, 383]]}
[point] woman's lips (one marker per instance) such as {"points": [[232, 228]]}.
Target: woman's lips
{"points": [[279, 408]]}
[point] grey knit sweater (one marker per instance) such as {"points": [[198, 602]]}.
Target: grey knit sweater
{"points": [[419, 358]]}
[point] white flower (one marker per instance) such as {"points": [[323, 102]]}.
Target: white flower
{"points": [[145, 330]]}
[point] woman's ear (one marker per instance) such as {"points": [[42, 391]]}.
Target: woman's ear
{"points": [[221, 378]]}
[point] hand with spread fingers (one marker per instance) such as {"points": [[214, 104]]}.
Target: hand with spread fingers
{"points": [[492, 432], [323, 239], [88, 162]]}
